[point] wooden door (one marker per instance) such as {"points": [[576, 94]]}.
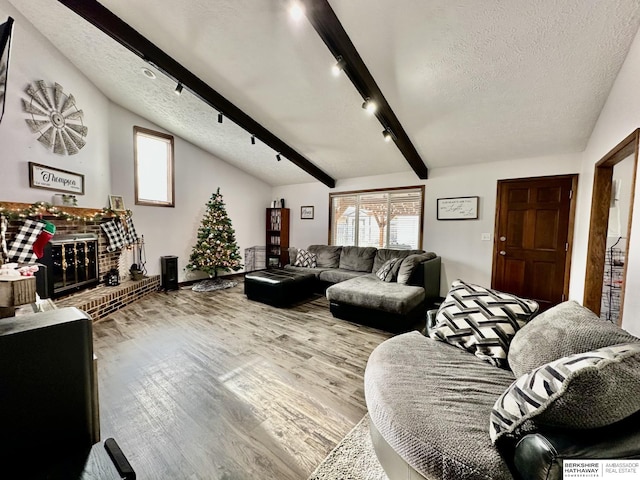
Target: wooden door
{"points": [[533, 236]]}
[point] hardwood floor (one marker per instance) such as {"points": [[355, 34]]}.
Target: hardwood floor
{"points": [[214, 386]]}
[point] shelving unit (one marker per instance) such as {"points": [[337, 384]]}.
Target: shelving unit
{"points": [[277, 238]]}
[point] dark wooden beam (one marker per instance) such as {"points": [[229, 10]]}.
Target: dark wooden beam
{"points": [[121, 32], [326, 23]]}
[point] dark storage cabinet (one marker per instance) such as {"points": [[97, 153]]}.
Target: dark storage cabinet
{"points": [[277, 251], [169, 265]]}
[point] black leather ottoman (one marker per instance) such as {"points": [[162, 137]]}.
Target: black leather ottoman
{"points": [[278, 287]]}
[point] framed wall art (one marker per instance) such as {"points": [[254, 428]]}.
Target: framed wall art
{"points": [[49, 178], [116, 202], [458, 208], [306, 213]]}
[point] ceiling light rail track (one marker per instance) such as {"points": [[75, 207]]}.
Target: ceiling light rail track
{"points": [[328, 26], [106, 21]]}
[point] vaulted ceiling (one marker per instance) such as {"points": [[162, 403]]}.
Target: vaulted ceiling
{"points": [[469, 81]]}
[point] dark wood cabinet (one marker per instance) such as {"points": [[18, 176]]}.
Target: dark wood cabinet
{"points": [[277, 243]]}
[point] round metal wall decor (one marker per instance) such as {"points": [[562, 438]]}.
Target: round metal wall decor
{"points": [[55, 116]]}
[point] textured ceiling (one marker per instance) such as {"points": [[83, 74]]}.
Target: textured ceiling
{"points": [[470, 81]]}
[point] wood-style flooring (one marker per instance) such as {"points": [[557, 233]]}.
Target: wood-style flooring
{"points": [[214, 386]]}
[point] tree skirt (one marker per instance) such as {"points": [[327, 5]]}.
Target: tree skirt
{"points": [[213, 284], [352, 459]]}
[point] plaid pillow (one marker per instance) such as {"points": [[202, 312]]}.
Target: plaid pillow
{"points": [[21, 250], [115, 233], [306, 259]]}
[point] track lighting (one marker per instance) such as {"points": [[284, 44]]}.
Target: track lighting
{"points": [[178, 90], [253, 139], [339, 66], [296, 11], [370, 106], [388, 136], [220, 117], [278, 157]]}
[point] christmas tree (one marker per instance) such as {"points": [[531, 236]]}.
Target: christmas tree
{"points": [[216, 249]]}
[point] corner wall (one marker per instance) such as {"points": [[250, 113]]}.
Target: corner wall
{"points": [[173, 231], [619, 117]]}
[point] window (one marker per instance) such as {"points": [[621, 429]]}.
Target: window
{"points": [[389, 218], [153, 158]]}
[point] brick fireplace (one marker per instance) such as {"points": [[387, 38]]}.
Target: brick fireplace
{"points": [[90, 295]]}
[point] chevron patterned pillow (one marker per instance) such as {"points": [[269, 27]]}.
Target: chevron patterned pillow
{"points": [[306, 259], [388, 271], [585, 390], [481, 321]]}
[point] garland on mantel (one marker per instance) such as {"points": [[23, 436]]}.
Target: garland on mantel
{"points": [[40, 209]]}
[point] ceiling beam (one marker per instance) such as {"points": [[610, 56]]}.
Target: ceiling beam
{"points": [[326, 23], [121, 32]]}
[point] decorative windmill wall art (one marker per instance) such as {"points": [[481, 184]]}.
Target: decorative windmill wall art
{"points": [[55, 116]]}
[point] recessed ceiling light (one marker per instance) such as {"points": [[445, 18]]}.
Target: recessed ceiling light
{"points": [[148, 73], [296, 11]]}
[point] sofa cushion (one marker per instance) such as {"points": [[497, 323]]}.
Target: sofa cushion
{"points": [[368, 291], [388, 271], [304, 258], [430, 401], [384, 254], [481, 320], [409, 264], [328, 255], [563, 330], [315, 271], [359, 259], [337, 275], [585, 390]]}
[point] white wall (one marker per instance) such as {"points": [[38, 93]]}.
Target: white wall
{"points": [[34, 58], [463, 253], [619, 117], [173, 231]]}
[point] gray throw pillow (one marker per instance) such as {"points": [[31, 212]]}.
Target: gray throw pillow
{"points": [[386, 272], [409, 264], [481, 321], [357, 259], [585, 390], [328, 256], [563, 330]]}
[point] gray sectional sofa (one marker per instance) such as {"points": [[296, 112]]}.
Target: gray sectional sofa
{"points": [[436, 409], [355, 292]]}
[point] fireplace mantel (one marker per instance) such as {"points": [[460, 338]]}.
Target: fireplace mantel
{"points": [[46, 210]]}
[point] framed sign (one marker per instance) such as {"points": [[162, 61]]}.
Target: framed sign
{"points": [[49, 178], [306, 213], [458, 208]]}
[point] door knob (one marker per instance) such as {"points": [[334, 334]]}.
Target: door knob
{"points": [[502, 252], [503, 239]]}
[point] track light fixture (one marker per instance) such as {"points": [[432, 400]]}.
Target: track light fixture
{"points": [[220, 117], [339, 66], [388, 136], [178, 90], [370, 106], [296, 11], [278, 157], [253, 139]]}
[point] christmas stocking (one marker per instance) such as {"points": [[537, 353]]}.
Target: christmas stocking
{"points": [[44, 237], [21, 250]]}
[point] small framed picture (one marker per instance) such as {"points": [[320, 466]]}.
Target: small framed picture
{"points": [[116, 203], [458, 208], [306, 213]]}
